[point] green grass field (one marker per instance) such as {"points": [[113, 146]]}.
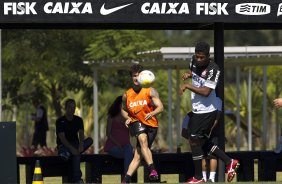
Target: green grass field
{"points": [[114, 179]]}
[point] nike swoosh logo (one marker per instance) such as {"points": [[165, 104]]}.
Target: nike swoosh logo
{"points": [[135, 113], [105, 11]]}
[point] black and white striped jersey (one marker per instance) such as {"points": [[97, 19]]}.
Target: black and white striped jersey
{"points": [[204, 76]]}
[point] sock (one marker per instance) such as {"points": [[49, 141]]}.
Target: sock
{"points": [[197, 156], [198, 169], [220, 154], [127, 178], [151, 167], [205, 175], [212, 176]]}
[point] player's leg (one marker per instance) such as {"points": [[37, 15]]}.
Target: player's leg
{"points": [[232, 164], [152, 133], [211, 158], [133, 166], [139, 130], [197, 156], [213, 167], [146, 153], [196, 130], [204, 169], [136, 129]]}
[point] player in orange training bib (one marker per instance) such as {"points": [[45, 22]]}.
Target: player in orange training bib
{"points": [[140, 107]]}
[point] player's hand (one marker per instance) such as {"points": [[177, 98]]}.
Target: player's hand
{"points": [[127, 122], [149, 116], [182, 89], [187, 75], [277, 102]]}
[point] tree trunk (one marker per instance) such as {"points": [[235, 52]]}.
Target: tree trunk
{"points": [[55, 94]]}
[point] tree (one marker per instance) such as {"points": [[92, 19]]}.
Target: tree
{"points": [[42, 65], [47, 63]]}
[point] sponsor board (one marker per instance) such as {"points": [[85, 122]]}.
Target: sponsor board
{"points": [[253, 9], [279, 11], [140, 11]]}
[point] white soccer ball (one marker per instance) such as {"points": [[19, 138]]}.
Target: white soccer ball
{"points": [[146, 78]]}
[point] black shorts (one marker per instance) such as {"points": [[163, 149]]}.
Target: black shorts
{"points": [[136, 128], [200, 124]]}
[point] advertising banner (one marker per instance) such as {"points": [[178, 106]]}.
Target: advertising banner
{"points": [[140, 11]]}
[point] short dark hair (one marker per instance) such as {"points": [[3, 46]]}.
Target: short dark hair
{"points": [[115, 107], [136, 68], [69, 100], [203, 47]]}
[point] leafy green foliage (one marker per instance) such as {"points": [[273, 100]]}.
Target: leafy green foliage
{"points": [[118, 44], [45, 62]]}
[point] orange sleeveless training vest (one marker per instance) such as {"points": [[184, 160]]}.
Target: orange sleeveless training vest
{"points": [[140, 104]]}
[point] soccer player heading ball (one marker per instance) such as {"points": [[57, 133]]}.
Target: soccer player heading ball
{"points": [[205, 74], [140, 108]]}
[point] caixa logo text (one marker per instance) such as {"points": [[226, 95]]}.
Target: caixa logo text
{"points": [[252, 9], [165, 8]]}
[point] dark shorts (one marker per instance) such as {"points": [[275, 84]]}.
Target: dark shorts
{"points": [[200, 124], [136, 128]]}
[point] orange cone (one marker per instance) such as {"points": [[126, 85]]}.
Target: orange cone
{"points": [[37, 176]]}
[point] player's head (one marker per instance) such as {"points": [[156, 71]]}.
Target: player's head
{"points": [[134, 72], [70, 106], [202, 53]]}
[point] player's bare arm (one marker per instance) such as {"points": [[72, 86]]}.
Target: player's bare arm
{"points": [[157, 102], [187, 75], [204, 91], [277, 102], [124, 111]]}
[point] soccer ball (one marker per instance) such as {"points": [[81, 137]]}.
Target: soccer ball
{"points": [[146, 78]]}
